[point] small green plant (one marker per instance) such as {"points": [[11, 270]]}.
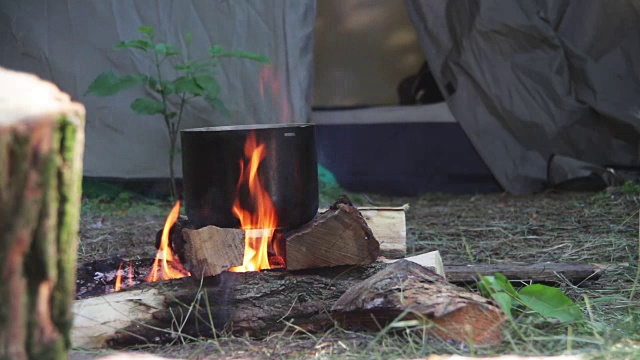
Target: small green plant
{"points": [[547, 301], [191, 79], [630, 188]]}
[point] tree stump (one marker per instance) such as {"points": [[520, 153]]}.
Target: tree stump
{"points": [[41, 149]]}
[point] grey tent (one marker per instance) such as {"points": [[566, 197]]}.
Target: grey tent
{"points": [[536, 92]]}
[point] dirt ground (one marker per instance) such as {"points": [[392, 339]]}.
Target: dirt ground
{"points": [[496, 228]]}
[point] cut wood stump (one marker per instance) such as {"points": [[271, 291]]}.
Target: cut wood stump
{"points": [[339, 236], [41, 149], [410, 290]]}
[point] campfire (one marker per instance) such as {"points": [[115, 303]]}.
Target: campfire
{"points": [[258, 220], [271, 236], [269, 271]]}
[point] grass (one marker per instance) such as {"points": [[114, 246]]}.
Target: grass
{"points": [[594, 227]]}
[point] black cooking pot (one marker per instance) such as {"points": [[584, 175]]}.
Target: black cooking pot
{"points": [[211, 170]]}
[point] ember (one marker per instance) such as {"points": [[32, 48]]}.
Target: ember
{"points": [[261, 221], [167, 265]]}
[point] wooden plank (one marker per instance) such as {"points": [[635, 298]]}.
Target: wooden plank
{"points": [[546, 272], [430, 260]]}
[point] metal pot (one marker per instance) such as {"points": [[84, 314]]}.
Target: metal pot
{"points": [[211, 170]]}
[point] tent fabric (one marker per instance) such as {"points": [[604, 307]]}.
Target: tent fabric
{"points": [[531, 79], [70, 42], [431, 113], [528, 81]]}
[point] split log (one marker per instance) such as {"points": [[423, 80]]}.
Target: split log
{"points": [[212, 250], [339, 236], [546, 272], [413, 292], [389, 226], [252, 303], [41, 149]]}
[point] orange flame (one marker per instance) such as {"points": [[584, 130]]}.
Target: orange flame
{"points": [[270, 79], [259, 224], [118, 284], [166, 265]]}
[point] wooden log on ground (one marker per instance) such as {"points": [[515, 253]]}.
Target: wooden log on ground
{"points": [[339, 236], [546, 272], [406, 288], [212, 250], [41, 149], [253, 303]]}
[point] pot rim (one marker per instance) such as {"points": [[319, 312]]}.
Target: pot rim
{"points": [[249, 127]]}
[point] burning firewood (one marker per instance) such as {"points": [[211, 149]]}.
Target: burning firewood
{"points": [[212, 250], [338, 236]]}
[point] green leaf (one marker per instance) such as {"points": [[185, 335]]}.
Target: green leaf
{"points": [[152, 83], [135, 44], [147, 31], [549, 302], [165, 49], [168, 87], [504, 300], [247, 55], [216, 50], [185, 84], [146, 106], [189, 38], [209, 84], [202, 65], [109, 83], [184, 67], [219, 105], [494, 284]]}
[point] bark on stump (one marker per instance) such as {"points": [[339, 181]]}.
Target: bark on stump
{"points": [[41, 149]]}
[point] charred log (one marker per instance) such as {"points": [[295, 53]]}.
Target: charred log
{"points": [[252, 303]]}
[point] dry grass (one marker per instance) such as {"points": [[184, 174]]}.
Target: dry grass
{"points": [[598, 228]]}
